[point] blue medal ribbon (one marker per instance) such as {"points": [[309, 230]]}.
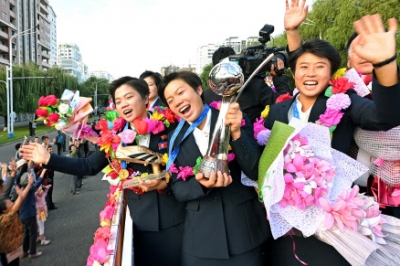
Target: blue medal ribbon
{"points": [[296, 113], [172, 154]]}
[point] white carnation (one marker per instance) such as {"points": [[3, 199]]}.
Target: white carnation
{"points": [[63, 108], [60, 124]]}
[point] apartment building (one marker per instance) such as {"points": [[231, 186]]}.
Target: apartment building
{"points": [[25, 32], [69, 58]]}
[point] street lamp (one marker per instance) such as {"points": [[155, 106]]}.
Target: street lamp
{"points": [[10, 103]]}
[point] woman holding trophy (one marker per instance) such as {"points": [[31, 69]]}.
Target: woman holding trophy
{"points": [[337, 107], [131, 147], [225, 222]]}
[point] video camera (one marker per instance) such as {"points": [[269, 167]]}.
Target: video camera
{"points": [[251, 57]]}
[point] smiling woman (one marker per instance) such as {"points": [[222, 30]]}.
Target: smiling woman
{"points": [[156, 215]]}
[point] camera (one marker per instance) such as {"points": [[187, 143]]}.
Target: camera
{"points": [[251, 57]]}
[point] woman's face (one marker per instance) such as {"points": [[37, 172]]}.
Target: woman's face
{"points": [[183, 100], [152, 87], [129, 103], [312, 74]]}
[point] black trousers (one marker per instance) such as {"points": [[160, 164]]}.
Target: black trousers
{"points": [[29, 227], [59, 148], [49, 197]]}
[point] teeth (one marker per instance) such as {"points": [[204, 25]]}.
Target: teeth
{"points": [[183, 109], [127, 111], [310, 83]]}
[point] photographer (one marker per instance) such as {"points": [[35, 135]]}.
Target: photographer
{"points": [[257, 94]]}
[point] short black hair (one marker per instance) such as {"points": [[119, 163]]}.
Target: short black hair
{"points": [[44, 137], [192, 79], [137, 84], [319, 48], [155, 75], [17, 146], [351, 39], [3, 205], [221, 53]]}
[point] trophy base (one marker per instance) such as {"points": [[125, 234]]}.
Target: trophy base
{"points": [[209, 163]]}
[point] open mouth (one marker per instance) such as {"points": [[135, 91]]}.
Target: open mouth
{"points": [[310, 83], [184, 109], [127, 112]]}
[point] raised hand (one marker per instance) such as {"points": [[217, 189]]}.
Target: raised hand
{"points": [[296, 13], [373, 42], [35, 152]]}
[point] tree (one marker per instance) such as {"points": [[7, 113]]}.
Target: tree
{"points": [[204, 75]]}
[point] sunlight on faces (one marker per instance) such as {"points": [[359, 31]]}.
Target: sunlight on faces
{"points": [[152, 87], [129, 103], [312, 75], [358, 63], [183, 100]]}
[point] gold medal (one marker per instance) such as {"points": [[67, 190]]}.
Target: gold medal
{"points": [[123, 174]]}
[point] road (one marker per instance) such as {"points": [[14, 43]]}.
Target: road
{"points": [[72, 225]]}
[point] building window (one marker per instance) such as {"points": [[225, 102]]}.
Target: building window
{"points": [[4, 15]]}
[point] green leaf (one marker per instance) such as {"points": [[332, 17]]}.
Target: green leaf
{"points": [[328, 91], [198, 162], [332, 128]]}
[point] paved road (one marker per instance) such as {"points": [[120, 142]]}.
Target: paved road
{"points": [[72, 225]]}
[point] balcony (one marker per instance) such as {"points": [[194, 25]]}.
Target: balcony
{"points": [[45, 64], [43, 10], [3, 35], [4, 61], [45, 54], [12, 14], [44, 2], [12, 2], [3, 48]]}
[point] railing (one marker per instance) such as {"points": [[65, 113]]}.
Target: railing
{"points": [[121, 240]]}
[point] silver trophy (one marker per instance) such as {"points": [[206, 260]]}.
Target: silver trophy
{"points": [[225, 79]]}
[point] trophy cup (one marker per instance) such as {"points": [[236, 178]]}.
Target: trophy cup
{"points": [[142, 155], [225, 79]]}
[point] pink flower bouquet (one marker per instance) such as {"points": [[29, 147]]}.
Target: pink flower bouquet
{"points": [[306, 185]]}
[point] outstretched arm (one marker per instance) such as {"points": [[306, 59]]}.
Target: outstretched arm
{"points": [[296, 13]]}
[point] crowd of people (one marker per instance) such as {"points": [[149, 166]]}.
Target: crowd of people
{"points": [[192, 218]]}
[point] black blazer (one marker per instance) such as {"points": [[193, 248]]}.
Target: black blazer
{"points": [[381, 114], [256, 96], [150, 211], [221, 221]]}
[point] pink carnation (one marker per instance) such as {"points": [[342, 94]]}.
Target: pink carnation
{"points": [[185, 172], [338, 102], [258, 126], [127, 136], [216, 104], [330, 117], [231, 157]]}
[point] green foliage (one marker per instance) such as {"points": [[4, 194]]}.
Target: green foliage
{"points": [[204, 75], [102, 90], [27, 90]]}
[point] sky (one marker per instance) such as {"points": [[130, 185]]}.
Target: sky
{"points": [[126, 37]]}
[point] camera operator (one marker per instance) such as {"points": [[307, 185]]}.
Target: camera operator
{"points": [[257, 94]]}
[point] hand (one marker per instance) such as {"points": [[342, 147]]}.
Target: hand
{"points": [[13, 165], [280, 65], [295, 14], [30, 179], [149, 185], [233, 119], [373, 43], [35, 152], [216, 179]]}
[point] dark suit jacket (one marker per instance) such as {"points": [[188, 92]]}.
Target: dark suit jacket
{"points": [[381, 114], [158, 102], [150, 211], [256, 95], [221, 221]]}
